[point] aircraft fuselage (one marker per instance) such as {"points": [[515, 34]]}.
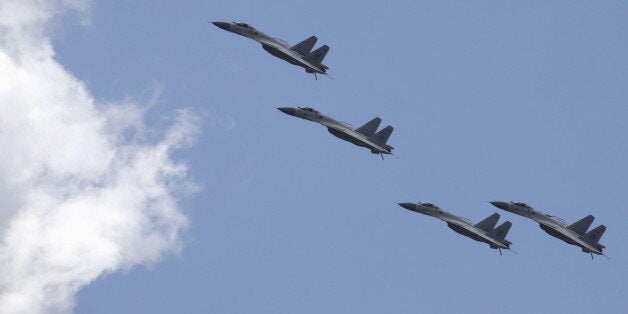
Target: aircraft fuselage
{"points": [[271, 45]]}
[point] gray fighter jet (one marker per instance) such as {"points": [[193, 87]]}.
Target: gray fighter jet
{"points": [[299, 54], [364, 136], [575, 234], [483, 231]]}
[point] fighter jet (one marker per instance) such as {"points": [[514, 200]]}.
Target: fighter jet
{"points": [[364, 136], [483, 231], [575, 234], [299, 54]]}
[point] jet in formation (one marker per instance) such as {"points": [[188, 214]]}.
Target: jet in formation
{"points": [[483, 231], [575, 234], [299, 54], [364, 136]]}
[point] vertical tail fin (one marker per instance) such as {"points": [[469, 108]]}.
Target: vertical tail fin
{"points": [[500, 232], [381, 137], [304, 47], [369, 128], [593, 237], [316, 57], [580, 227], [489, 223]]}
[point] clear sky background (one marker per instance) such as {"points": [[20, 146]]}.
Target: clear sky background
{"points": [[490, 100]]}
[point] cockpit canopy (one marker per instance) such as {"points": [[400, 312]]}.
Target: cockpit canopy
{"points": [[521, 204], [429, 205], [243, 25], [308, 109]]}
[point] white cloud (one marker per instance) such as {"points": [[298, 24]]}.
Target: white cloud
{"points": [[227, 122], [78, 196]]}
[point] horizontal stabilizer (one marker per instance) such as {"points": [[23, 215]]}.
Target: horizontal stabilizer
{"points": [[489, 223], [593, 237], [580, 227], [500, 232], [369, 128], [304, 47], [316, 57], [381, 137]]}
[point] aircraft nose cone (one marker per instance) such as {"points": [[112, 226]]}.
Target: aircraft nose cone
{"points": [[222, 25], [408, 206], [287, 110], [500, 205]]}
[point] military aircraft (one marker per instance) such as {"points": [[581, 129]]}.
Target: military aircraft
{"points": [[364, 136], [299, 54], [575, 234], [483, 231]]}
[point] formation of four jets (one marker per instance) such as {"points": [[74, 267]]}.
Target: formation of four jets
{"points": [[367, 136]]}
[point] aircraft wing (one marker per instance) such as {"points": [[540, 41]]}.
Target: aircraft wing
{"points": [[358, 136], [289, 52], [574, 238], [477, 232], [337, 127]]}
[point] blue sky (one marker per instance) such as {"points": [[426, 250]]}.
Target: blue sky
{"points": [[490, 100]]}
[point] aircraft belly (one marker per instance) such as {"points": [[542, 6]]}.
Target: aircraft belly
{"points": [[466, 233], [556, 234], [287, 57], [281, 55], [343, 136]]}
